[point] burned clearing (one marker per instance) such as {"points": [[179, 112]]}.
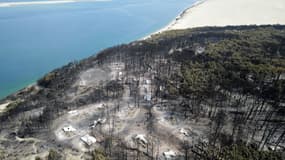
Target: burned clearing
{"points": [[187, 94]]}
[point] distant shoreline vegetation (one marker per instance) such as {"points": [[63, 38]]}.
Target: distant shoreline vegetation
{"points": [[45, 2]]}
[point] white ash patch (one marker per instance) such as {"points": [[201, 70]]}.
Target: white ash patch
{"points": [[4, 106], [92, 77], [117, 70]]}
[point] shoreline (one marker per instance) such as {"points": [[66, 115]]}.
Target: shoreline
{"points": [[221, 13], [13, 4], [175, 20]]}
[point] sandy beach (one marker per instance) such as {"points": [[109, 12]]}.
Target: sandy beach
{"points": [[12, 4], [229, 12]]}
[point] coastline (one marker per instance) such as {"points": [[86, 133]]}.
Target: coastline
{"points": [[222, 13], [175, 20]]}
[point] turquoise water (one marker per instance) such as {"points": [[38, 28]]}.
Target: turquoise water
{"points": [[36, 39]]}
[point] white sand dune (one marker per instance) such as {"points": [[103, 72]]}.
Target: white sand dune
{"points": [[11, 4], [230, 12]]}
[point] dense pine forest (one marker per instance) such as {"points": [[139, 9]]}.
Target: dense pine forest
{"points": [[206, 93]]}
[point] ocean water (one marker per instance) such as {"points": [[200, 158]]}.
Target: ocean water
{"points": [[35, 39]]}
